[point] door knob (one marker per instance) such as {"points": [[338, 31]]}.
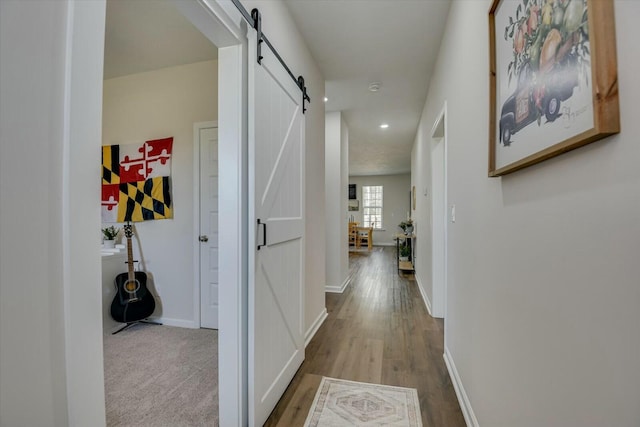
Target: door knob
{"points": [[204, 238]]}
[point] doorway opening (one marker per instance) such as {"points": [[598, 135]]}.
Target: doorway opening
{"points": [[161, 77], [85, 55], [439, 214]]}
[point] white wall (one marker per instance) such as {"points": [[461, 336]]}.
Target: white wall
{"points": [[336, 180], [160, 104], [395, 203], [344, 174], [543, 299], [279, 27], [50, 364], [421, 178]]}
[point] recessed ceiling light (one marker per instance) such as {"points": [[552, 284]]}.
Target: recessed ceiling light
{"points": [[374, 86], [384, 126], [326, 99]]}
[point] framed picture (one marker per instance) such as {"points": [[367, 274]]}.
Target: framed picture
{"points": [[352, 192], [553, 79], [354, 205]]}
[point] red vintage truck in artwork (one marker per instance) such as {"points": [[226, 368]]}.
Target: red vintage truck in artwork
{"points": [[536, 97], [550, 52]]}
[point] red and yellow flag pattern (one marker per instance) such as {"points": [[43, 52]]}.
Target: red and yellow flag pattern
{"points": [[136, 181]]}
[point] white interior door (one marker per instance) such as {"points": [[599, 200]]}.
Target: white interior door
{"points": [[208, 168], [276, 269]]}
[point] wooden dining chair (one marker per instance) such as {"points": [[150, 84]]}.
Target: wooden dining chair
{"points": [[364, 235], [353, 234]]}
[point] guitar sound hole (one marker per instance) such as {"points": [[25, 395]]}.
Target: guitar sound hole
{"points": [[132, 286]]}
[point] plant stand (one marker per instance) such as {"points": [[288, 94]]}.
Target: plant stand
{"points": [[407, 266]]}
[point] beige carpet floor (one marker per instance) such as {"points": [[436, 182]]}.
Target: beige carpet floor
{"points": [[161, 376]]}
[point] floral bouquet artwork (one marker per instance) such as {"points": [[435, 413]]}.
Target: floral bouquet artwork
{"points": [[550, 58], [541, 54]]}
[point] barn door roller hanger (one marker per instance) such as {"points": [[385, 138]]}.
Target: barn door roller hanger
{"points": [[255, 20]]}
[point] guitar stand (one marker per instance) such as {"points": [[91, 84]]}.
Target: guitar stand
{"points": [[130, 324]]}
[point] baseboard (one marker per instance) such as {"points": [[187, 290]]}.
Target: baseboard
{"points": [[338, 289], [180, 323], [311, 332], [425, 298], [465, 405]]}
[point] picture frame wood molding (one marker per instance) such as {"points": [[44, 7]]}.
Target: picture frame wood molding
{"points": [[543, 50]]}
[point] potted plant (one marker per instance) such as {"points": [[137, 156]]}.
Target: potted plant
{"points": [[405, 251], [407, 226], [110, 234]]}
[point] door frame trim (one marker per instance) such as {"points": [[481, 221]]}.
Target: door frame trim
{"points": [[197, 280], [439, 289], [232, 235]]}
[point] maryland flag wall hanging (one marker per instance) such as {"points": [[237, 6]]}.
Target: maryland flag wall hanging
{"points": [[136, 181]]}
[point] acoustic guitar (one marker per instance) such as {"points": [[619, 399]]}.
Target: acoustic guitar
{"points": [[133, 301]]}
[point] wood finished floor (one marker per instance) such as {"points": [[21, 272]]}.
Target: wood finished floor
{"points": [[377, 331]]}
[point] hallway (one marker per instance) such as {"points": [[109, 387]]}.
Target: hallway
{"points": [[377, 331]]}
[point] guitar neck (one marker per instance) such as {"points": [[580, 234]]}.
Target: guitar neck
{"points": [[129, 234]]}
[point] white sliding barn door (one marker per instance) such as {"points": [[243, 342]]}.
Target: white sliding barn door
{"points": [[276, 199]]}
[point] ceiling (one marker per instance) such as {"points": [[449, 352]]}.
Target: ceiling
{"points": [[355, 43], [146, 35]]}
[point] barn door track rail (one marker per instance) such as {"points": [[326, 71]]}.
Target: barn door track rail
{"points": [[255, 20]]}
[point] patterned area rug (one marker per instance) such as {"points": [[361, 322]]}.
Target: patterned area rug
{"points": [[349, 403]]}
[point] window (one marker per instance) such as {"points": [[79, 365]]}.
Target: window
{"points": [[372, 205]]}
